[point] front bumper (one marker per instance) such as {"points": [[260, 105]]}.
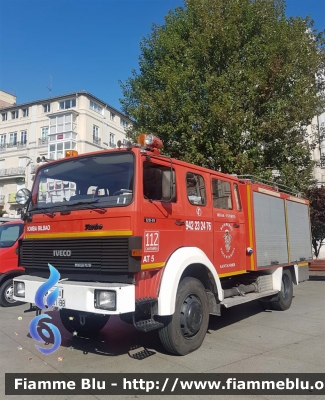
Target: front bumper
{"points": [[80, 296]]}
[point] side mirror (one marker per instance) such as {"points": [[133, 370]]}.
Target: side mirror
{"points": [[23, 196]]}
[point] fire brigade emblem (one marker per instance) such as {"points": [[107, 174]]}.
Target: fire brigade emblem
{"points": [[227, 251], [227, 237]]}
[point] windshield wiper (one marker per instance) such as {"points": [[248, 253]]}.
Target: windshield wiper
{"points": [[100, 210], [80, 202], [45, 211], [62, 207]]}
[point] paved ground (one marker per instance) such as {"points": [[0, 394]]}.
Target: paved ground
{"points": [[244, 339]]}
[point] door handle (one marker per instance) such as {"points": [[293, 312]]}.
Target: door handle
{"points": [[236, 225], [179, 223]]}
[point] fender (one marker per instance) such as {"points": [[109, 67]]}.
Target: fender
{"points": [[173, 271], [11, 274]]}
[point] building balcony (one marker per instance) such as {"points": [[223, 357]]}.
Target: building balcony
{"points": [[43, 142], [113, 145], [2, 199], [96, 140], [19, 145], [3, 147], [11, 172]]}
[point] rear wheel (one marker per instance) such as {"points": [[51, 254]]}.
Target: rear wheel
{"points": [[185, 330], [284, 298], [90, 324], [7, 293]]}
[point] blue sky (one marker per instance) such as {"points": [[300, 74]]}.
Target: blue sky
{"points": [[85, 44]]}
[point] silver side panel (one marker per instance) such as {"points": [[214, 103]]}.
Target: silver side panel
{"points": [[270, 230], [299, 231]]}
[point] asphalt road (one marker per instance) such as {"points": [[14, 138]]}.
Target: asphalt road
{"points": [[243, 339]]}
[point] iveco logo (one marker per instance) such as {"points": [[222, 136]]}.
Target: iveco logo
{"points": [[62, 253], [89, 227]]}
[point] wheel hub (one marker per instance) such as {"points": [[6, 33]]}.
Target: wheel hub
{"points": [[191, 315], [9, 294]]}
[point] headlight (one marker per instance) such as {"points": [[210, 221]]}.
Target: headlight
{"points": [[19, 289], [105, 299]]}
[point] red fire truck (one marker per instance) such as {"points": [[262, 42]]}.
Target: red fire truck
{"points": [[158, 241]]}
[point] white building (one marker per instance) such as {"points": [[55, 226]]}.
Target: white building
{"points": [[318, 153], [48, 127]]}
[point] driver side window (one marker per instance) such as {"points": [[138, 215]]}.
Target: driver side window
{"points": [[158, 182]]}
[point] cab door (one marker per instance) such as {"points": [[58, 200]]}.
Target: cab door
{"points": [[228, 227]]}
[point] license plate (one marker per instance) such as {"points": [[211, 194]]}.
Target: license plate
{"points": [[60, 302]]}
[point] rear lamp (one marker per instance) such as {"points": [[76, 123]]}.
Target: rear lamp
{"points": [[105, 300], [19, 289]]}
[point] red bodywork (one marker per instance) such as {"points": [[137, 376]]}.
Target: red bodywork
{"points": [[167, 226], [8, 255]]}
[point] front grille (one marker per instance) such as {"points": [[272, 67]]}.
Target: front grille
{"points": [[91, 255]]}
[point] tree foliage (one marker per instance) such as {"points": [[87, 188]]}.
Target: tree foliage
{"points": [[316, 198], [231, 85]]}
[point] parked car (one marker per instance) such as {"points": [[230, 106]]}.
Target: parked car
{"points": [[7, 219], [10, 233]]}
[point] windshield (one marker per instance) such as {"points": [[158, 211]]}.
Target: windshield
{"points": [[9, 234], [87, 182]]}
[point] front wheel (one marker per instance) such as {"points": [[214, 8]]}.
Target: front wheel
{"points": [[7, 293], [284, 297], [185, 330], [92, 323]]}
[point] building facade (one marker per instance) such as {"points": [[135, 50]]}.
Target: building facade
{"points": [[47, 128], [318, 153]]}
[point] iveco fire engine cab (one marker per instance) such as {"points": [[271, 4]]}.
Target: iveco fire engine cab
{"points": [[160, 242]]}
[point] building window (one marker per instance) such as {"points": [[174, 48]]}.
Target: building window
{"points": [[112, 140], [112, 116], [95, 131], [2, 140], [14, 114], [12, 139], [124, 123], [96, 139], [23, 137], [57, 150], [4, 116], [63, 105], [44, 136], [60, 124], [25, 112], [44, 132], [95, 107], [47, 107]]}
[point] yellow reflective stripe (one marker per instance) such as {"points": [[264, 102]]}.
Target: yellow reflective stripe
{"points": [[154, 265], [303, 264], [232, 273], [76, 234]]}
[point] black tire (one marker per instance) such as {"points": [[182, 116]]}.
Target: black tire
{"points": [[93, 323], [284, 298], [185, 330], [265, 305], [6, 294]]}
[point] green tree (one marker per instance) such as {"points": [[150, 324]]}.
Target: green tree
{"points": [[230, 85], [316, 198]]}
